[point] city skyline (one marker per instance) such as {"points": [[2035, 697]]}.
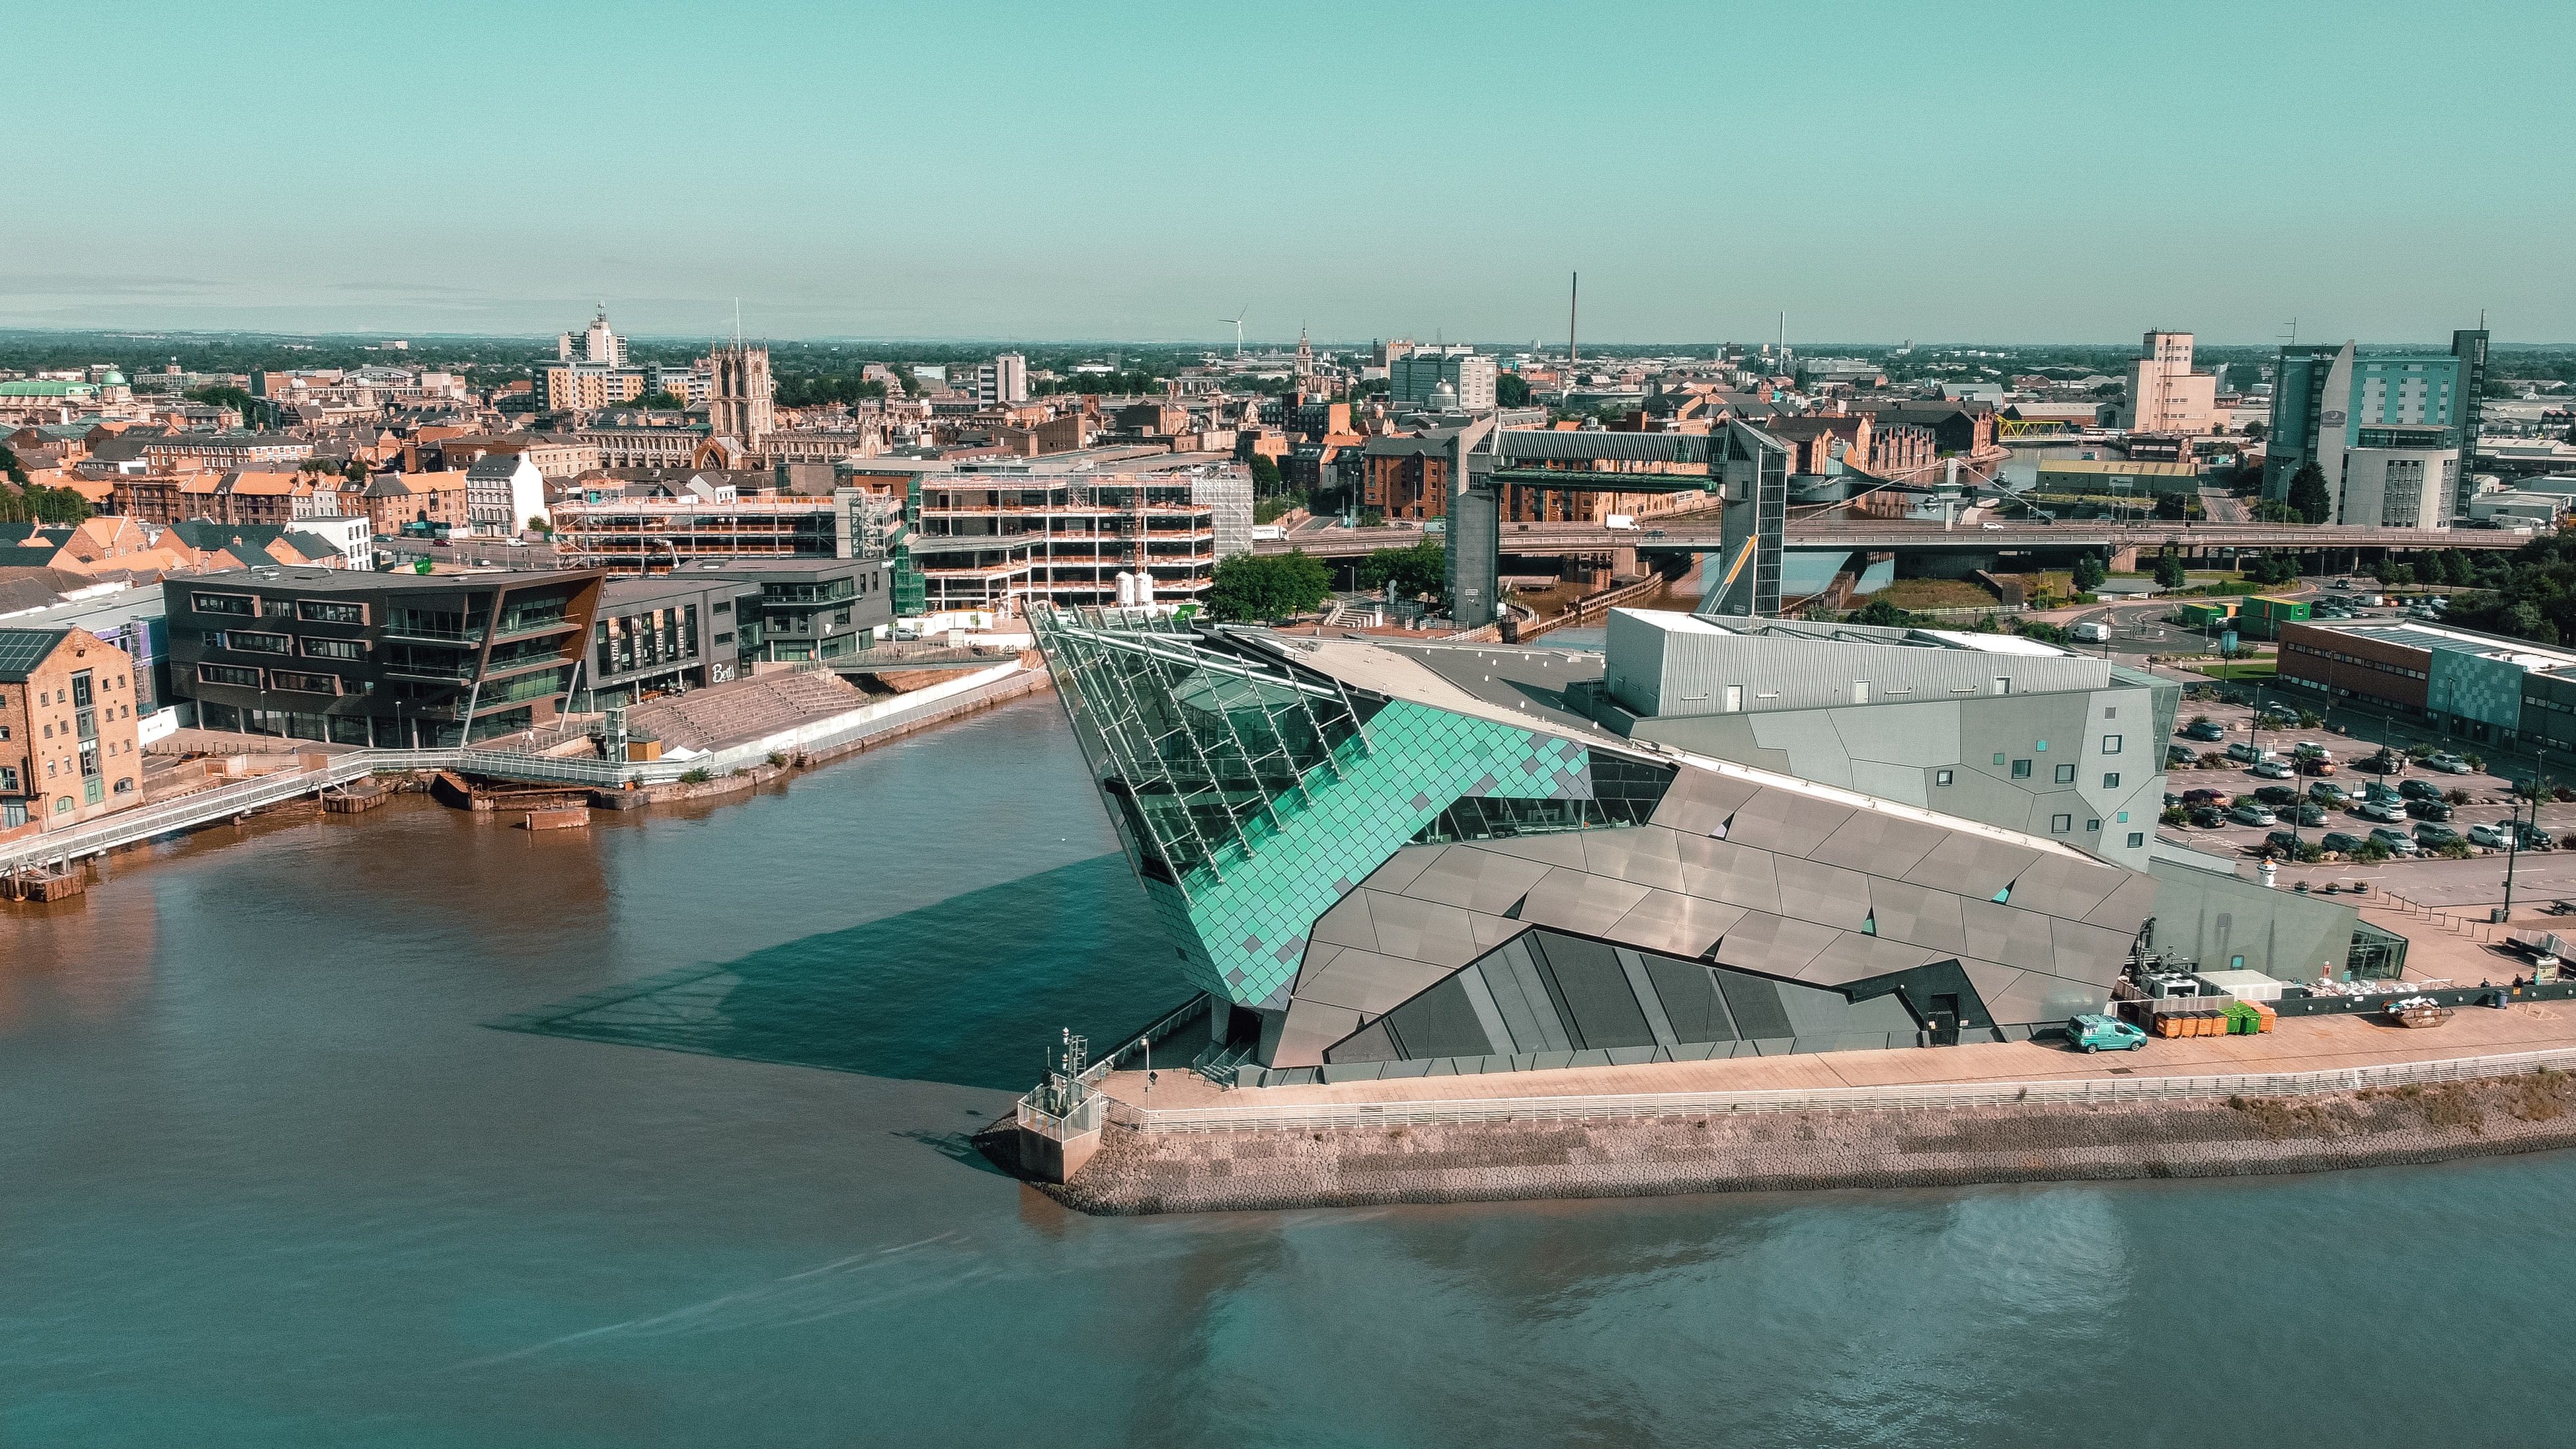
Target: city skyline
{"points": [[1368, 173]]}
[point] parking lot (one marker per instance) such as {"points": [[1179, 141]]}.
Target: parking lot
{"points": [[2538, 876]]}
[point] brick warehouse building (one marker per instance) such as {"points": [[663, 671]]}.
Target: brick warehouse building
{"points": [[68, 752]]}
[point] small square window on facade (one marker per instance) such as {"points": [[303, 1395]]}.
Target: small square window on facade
{"points": [[1999, 759], [2061, 824], [2124, 817], [2111, 711], [2110, 782], [2040, 748], [2093, 826], [2021, 769], [2137, 838], [1940, 777], [2110, 744], [2066, 774]]}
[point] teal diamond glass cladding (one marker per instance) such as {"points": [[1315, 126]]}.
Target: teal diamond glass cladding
{"points": [[1252, 794]]}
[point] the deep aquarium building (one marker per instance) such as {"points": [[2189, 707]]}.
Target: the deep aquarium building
{"points": [[1390, 860]]}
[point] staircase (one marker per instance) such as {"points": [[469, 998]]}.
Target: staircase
{"points": [[1218, 1061]]}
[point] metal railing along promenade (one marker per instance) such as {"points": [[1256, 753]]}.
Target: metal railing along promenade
{"points": [[1287, 1118], [204, 807]]}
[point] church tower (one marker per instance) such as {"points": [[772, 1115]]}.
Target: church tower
{"points": [[738, 399]]}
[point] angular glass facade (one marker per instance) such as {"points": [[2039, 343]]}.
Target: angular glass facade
{"points": [[1252, 794]]}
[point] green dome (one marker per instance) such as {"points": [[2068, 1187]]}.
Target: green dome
{"points": [[114, 378]]}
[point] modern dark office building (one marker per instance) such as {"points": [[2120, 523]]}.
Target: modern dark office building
{"points": [[705, 624], [393, 660]]}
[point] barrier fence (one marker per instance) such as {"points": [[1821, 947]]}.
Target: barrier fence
{"points": [[204, 807], [1833, 1099]]}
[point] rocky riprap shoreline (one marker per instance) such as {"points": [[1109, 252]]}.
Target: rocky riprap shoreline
{"points": [[1164, 1172]]}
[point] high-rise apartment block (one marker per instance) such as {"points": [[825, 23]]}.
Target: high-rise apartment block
{"points": [[2391, 431], [589, 371], [1002, 381], [2165, 395], [1414, 380]]}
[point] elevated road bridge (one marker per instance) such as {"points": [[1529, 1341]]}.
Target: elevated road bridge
{"points": [[1701, 534]]}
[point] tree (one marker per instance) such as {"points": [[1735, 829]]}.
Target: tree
{"points": [[2089, 573], [2308, 493], [39, 504], [1511, 390], [2169, 570], [224, 395], [9, 465], [666, 402], [1253, 587], [1265, 476], [1421, 569], [2273, 510], [1882, 613], [2256, 432]]}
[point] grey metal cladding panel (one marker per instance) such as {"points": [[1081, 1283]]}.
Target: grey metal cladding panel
{"points": [[1972, 866], [1595, 992], [1786, 822], [1755, 1005], [1920, 914], [1511, 975], [2088, 953], [1573, 901], [1422, 930], [1813, 891], [1678, 925], [1723, 870], [1401, 868], [1915, 735], [1440, 1022], [1880, 844], [2128, 907], [1492, 931], [1858, 958], [2008, 935], [1774, 945], [1370, 1043], [2039, 999], [1991, 980], [1346, 924], [1689, 994], [1480, 880], [1564, 848], [1318, 956], [1646, 856], [1369, 983], [2057, 886], [1311, 1026], [1700, 800]]}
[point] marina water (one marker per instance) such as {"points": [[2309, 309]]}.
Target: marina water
{"points": [[413, 1129]]}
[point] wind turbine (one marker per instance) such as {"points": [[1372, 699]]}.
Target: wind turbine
{"points": [[1237, 320]]}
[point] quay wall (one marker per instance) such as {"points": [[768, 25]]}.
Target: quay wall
{"points": [[1137, 1171]]}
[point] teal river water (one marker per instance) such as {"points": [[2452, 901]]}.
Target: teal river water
{"points": [[416, 1130]]}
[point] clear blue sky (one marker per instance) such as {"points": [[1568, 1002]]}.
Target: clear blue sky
{"points": [[1880, 171]]}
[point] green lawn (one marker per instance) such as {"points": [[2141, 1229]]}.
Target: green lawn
{"points": [[2236, 669]]}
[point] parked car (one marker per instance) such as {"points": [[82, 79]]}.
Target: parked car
{"points": [[2206, 797], [2334, 795], [2381, 791], [2386, 762], [2490, 836], [2434, 837], [2316, 765], [2379, 810], [2532, 837], [2447, 763], [2093, 1033], [2284, 841], [2249, 754], [2209, 731], [2271, 769], [2180, 754], [2311, 813], [2428, 809], [2397, 841], [2280, 714], [2278, 796], [2419, 790], [2337, 840], [2249, 813], [2209, 817], [2340, 584]]}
